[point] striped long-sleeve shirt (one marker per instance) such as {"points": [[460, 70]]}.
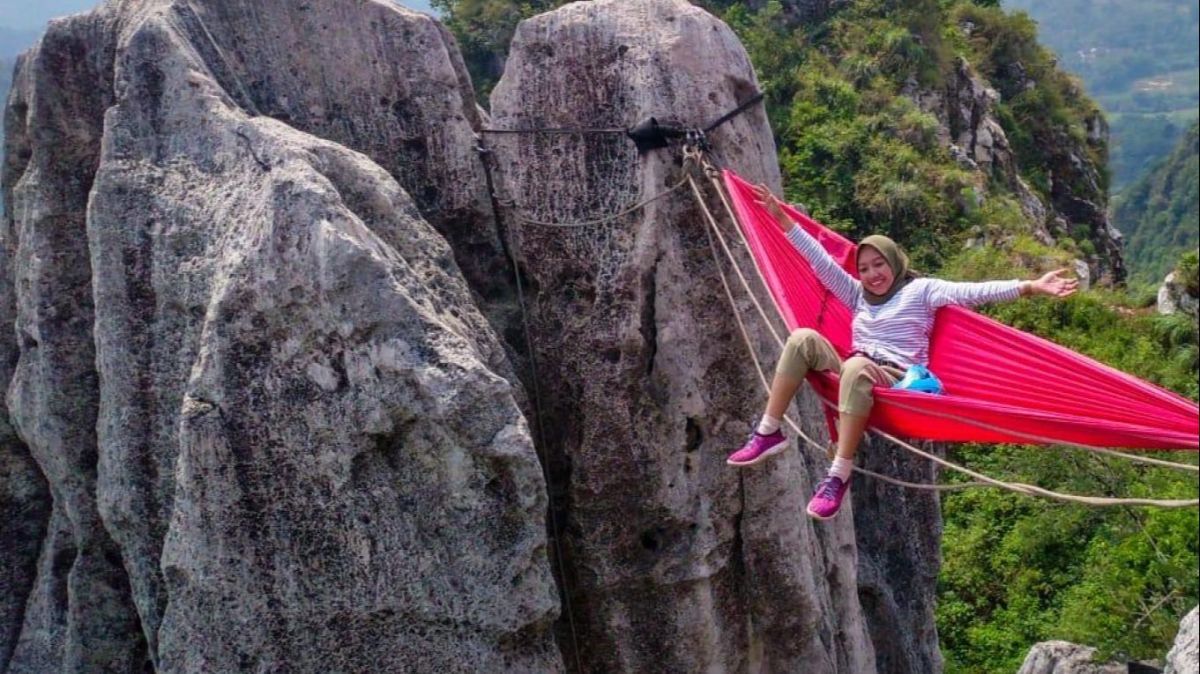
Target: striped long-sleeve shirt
{"points": [[897, 330]]}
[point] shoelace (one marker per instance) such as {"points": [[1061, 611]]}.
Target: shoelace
{"points": [[829, 488], [754, 434]]}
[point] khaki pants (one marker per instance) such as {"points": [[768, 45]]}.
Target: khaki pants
{"points": [[807, 350]]}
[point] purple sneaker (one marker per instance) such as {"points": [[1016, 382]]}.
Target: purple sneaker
{"points": [[828, 498], [758, 448]]}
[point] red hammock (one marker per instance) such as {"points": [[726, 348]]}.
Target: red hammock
{"points": [[1002, 385]]}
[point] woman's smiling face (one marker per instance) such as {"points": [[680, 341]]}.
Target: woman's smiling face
{"points": [[874, 271]]}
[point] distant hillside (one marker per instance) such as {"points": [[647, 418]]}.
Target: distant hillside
{"points": [[1159, 212], [1138, 59], [1131, 54]]}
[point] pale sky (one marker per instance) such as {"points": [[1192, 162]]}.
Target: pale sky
{"points": [[33, 14]]}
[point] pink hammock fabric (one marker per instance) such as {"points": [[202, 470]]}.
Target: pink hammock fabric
{"points": [[1002, 385]]}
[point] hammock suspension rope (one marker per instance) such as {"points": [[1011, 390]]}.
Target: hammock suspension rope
{"points": [[712, 173], [650, 134]]}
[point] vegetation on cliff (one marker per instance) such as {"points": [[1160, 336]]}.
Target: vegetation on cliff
{"points": [[1159, 212], [860, 150], [1139, 60]]}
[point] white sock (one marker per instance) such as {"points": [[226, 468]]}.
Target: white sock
{"points": [[840, 468], [768, 425]]}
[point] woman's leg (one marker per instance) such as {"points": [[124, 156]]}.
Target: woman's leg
{"points": [[783, 390], [851, 428], [855, 398], [805, 350]]}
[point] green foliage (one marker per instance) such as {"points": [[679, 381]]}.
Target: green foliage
{"points": [[1139, 59], [856, 149], [863, 156], [1018, 570], [484, 29], [1139, 143], [1117, 45], [1042, 109], [775, 50], [1159, 212], [1187, 273]]}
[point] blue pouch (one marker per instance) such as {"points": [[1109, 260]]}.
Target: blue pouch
{"points": [[919, 378]]}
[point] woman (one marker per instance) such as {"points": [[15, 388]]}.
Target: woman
{"points": [[893, 315]]}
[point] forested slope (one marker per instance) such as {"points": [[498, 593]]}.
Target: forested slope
{"points": [[1159, 213], [1139, 59]]}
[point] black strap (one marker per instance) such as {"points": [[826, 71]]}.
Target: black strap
{"points": [[649, 134], [734, 112]]}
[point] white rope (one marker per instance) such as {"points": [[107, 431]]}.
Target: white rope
{"points": [[598, 221], [712, 175], [758, 368], [982, 480]]}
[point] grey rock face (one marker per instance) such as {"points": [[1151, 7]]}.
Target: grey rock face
{"points": [[250, 371], [1173, 296], [1184, 655], [1061, 657], [78, 615], [25, 502], [1074, 202], [378, 79], [898, 533], [261, 419], [675, 561]]}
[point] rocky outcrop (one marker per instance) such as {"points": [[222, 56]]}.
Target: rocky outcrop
{"points": [[898, 534], [644, 381], [1061, 657], [1184, 655], [978, 142], [261, 356], [1173, 296], [77, 611], [256, 382], [1073, 203]]}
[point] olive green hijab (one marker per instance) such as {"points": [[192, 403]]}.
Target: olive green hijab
{"points": [[896, 259]]}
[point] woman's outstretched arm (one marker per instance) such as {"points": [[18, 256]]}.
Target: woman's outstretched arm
{"points": [[844, 286], [942, 293], [1052, 284]]}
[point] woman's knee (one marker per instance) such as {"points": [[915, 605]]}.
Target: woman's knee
{"points": [[801, 336], [857, 368], [856, 395], [798, 354]]}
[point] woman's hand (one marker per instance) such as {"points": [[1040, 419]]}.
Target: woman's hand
{"points": [[763, 196], [1053, 284]]}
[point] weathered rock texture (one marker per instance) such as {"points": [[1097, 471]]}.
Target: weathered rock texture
{"points": [[674, 562], [1061, 657], [898, 533], [78, 614], [1184, 655], [257, 335], [267, 408], [1173, 296], [1074, 204]]}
